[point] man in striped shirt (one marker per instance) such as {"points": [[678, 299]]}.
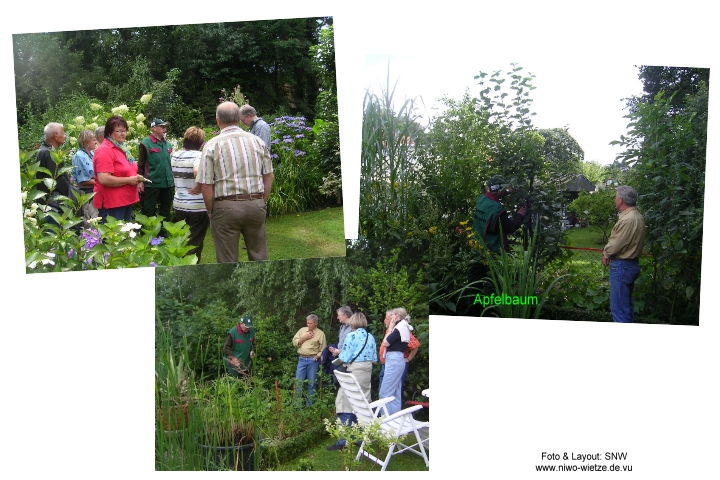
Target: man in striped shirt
{"points": [[236, 174]]}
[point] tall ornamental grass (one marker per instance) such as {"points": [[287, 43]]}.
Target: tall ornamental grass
{"points": [[388, 189]]}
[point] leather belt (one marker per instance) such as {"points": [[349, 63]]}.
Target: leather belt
{"points": [[307, 356], [244, 196]]}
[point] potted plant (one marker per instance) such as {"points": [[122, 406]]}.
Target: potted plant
{"points": [[228, 446]]}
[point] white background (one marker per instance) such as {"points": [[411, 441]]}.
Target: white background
{"points": [[77, 348]]}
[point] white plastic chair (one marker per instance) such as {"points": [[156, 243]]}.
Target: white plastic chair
{"points": [[399, 424]]}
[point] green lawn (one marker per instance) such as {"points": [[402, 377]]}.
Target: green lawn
{"points": [[585, 237], [319, 233], [318, 458]]}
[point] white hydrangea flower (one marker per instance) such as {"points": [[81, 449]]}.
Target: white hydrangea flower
{"points": [[73, 141], [130, 226], [145, 99], [32, 264], [140, 118], [92, 126], [120, 110], [95, 107], [80, 120], [130, 123]]}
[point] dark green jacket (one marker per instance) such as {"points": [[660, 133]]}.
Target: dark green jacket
{"points": [[154, 162], [486, 222]]}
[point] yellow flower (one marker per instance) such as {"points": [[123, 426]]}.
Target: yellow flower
{"points": [[433, 230], [464, 223]]}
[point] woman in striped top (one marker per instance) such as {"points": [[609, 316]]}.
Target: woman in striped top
{"points": [[188, 202]]}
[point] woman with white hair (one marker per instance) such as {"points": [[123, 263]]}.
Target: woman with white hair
{"points": [[395, 343]]}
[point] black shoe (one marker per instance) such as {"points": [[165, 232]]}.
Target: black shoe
{"points": [[335, 446]]}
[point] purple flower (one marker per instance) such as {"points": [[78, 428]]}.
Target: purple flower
{"points": [[274, 155], [275, 142], [70, 253], [287, 139], [156, 241], [91, 237], [299, 153], [153, 264], [299, 135]]}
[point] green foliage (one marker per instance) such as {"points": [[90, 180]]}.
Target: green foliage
{"points": [[588, 289], [518, 277], [597, 209], [454, 156], [666, 147], [377, 441], [273, 53], [561, 150], [593, 171], [375, 289]]}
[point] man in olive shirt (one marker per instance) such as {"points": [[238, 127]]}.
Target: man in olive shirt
{"points": [[621, 253], [310, 342]]}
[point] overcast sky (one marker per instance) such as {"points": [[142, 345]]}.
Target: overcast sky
{"points": [[587, 98]]}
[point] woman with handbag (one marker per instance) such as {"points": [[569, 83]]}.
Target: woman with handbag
{"points": [[358, 354], [395, 343]]}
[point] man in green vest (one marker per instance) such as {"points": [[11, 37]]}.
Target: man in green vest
{"points": [[239, 347], [153, 161], [490, 216]]}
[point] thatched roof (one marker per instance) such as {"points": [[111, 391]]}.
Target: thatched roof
{"points": [[579, 184]]}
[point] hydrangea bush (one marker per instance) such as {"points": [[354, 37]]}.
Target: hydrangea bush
{"points": [[57, 241], [298, 176]]}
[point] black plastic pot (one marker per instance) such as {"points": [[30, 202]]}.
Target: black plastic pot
{"points": [[237, 457]]}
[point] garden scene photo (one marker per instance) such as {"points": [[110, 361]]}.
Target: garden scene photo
{"points": [[178, 75], [423, 175], [212, 417]]}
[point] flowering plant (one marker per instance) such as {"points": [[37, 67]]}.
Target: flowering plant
{"points": [[291, 137], [56, 241]]}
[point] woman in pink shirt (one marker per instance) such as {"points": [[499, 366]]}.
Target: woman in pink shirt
{"points": [[116, 177]]}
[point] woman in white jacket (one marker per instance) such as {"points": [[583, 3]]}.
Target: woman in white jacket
{"points": [[395, 344]]}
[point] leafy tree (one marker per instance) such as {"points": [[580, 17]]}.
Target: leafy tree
{"points": [[519, 153], [681, 81], [562, 152], [594, 171], [598, 209], [454, 158], [666, 148]]}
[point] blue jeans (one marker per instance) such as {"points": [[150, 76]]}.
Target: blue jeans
{"points": [[402, 384], [391, 385], [622, 280], [118, 213], [307, 369]]}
